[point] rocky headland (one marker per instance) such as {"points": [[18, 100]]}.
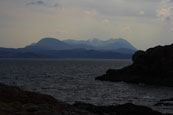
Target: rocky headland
{"points": [[153, 66], [14, 101]]}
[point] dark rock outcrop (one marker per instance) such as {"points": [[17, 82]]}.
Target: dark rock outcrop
{"points": [[154, 66], [14, 101]]}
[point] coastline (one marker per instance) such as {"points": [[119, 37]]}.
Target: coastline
{"points": [[14, 101]]}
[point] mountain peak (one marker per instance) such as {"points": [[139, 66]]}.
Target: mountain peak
{"points": [[92, 48], [49, 40], [49, 44], [112, 44]]}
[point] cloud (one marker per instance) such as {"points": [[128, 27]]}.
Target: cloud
{"points": [[141, 12], [171, 29], [49, 4], [166, 11], [115, 7], [90, 12], [39, 2], [106, 21], [62, 32], [126, 29], [135, 20]]}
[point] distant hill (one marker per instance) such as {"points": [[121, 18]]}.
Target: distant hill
{"points": [[109, 45], [54, 48], [49, 44]]}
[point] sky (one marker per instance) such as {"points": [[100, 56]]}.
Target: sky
{"points": [[144, 23]]}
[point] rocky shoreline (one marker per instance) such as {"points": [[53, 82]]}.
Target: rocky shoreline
{"points": [[153, 66], [14, 101]]}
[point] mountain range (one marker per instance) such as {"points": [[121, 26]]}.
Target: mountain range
{"points": [[54, 48]]}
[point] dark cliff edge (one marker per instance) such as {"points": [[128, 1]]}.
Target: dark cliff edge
{"points": [[153, 66], [14, 101]]}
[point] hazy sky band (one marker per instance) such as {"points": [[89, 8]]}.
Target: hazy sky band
{"points": [[144, 23]]}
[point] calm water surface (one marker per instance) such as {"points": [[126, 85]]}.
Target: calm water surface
{"points": [[73, 80]]}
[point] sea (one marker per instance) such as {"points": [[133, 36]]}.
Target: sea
{"points": [[73, 80]]}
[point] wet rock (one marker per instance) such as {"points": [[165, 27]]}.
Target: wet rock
{"points": [[14, 94], [154, 66]]}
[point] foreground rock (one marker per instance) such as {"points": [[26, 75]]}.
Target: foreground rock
{"points": [[14, 101], [154, 66], [126, 109]]}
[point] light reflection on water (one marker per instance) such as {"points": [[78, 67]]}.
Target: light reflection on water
{"points": [[73, 80]]}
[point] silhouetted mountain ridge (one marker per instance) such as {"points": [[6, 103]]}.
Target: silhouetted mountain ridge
{"points": [[49, 44], [54, 48], [110, 45]]}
